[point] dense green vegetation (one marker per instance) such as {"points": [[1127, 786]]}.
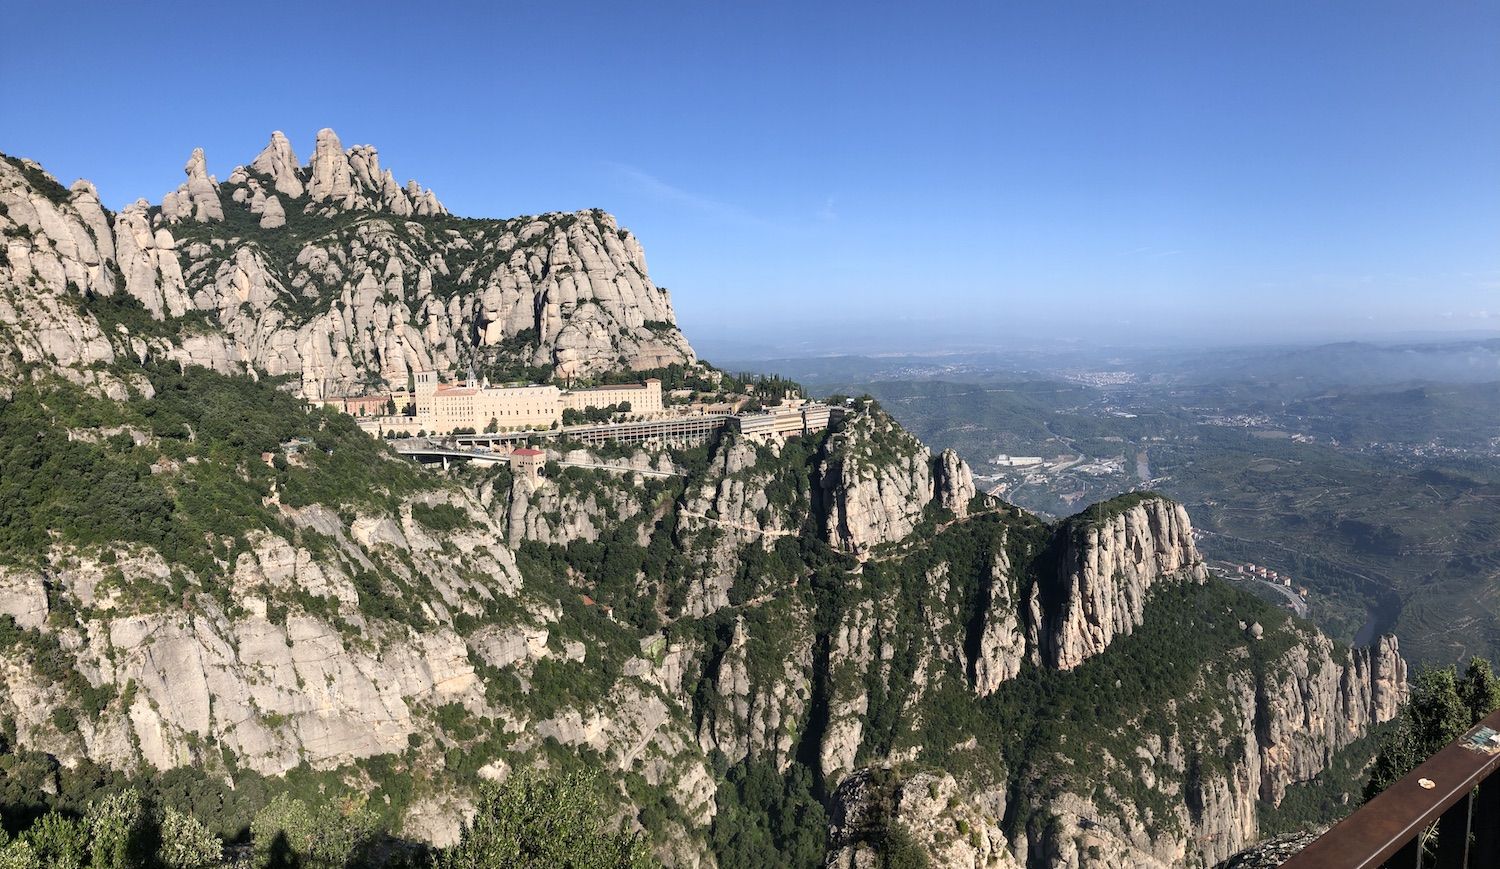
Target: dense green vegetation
{"points": [[768, 819], [182, 472], [540, 823], [529, 821]]}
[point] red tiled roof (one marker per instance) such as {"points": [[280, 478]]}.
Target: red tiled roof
{"points": [[526, 451]]}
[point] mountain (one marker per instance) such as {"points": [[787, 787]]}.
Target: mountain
{"points": [[829, 649], [331, 272]]}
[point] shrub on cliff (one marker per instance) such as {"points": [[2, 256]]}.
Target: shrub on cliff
{"points": [[530, 822]]}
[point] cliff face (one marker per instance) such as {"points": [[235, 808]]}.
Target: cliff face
{"points": [[1108, 566], [672, 627], [940, 669], [1270, 732], [876, 481], [1320, 704], [331, 272]]}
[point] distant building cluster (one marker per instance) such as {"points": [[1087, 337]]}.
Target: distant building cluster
{"points": [[1006, 461], [439, 408], [524, 410], [1260, 571], [793, 417], [1099, 378]]}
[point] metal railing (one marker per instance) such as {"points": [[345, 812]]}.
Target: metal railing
{"points": [[1457, 790]]}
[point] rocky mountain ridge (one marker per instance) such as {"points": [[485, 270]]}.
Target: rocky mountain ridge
{"points": [[198, 573], [344, 632], [331, 272]]}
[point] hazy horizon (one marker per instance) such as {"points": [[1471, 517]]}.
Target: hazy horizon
{"points": [[757, 343], [1133, 175]]}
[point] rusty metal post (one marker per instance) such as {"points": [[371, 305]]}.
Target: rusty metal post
{"points": [[1453, 835], [1485, 849], [1409, 857]]}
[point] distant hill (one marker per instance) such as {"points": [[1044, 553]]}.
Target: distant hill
{"points": [[1358, 364]]}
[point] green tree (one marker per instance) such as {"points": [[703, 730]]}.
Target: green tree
{"points": [[531, 822], [768, 819], [287, 833], [186, 843], [1479, 690], [59, 842], [18, 854], [1441, 707], [1438, 714], [119, 831], [901, 850]]}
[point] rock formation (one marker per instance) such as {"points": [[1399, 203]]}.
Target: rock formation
{"points": [[198, 197], [877, 480], [843, 607], [953, 484], [347, 303], [279, 164], [1109, 564]]}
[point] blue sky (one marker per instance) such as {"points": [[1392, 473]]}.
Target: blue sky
{"points": [[1142, 171]]}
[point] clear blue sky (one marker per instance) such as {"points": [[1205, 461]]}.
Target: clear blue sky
{"points": [[1221, 169]]}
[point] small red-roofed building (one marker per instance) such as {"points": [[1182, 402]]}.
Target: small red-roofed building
{"points": [[528, 462]]}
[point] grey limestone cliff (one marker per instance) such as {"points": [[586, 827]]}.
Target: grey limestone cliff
{"points": [[331, 272], [877, 480], [1109, 563]]}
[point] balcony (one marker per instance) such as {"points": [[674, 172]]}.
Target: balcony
{"points": [[1444, 815]]}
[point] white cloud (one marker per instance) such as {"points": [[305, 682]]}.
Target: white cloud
{"points": [[655, 187]]}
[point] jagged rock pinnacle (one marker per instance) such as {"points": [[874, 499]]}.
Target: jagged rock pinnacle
{"points": [[280, 163]]}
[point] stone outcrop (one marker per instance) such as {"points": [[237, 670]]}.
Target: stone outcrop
{"points": [[57, 246], [279, 163], [271, 214], [149, 261], [877, 480], [1111, 557], [1002, 641], [953, 827], [759, 716], [556, 511], [728, 509], [1320, 704], [353, 181], [953, 483], [198, 197], [23, 597]]}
